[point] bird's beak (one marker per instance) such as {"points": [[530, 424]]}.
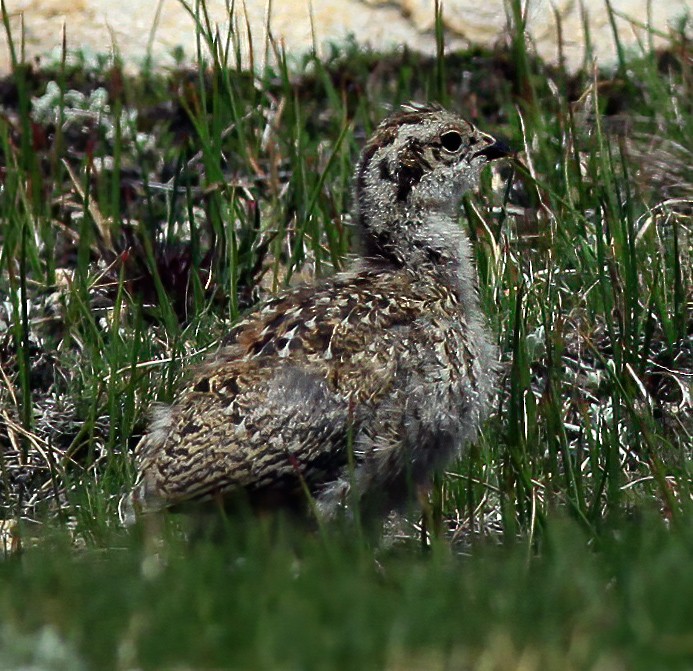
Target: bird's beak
{"points": [[495, 150]]}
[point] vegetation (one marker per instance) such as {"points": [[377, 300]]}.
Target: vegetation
{"points": [[142, 215]]}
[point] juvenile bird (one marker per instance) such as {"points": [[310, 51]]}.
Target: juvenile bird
{"points": [[357, 388]]}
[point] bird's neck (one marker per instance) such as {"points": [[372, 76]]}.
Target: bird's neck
{"points": [[425, 242]]}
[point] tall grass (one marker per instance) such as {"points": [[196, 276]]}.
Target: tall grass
{"points": [[584, 268], [138, 226]]}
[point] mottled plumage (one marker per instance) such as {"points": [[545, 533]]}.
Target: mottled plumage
{"points": [[362, 385]]}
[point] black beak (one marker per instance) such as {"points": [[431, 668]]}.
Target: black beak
{"points": [[496, 150]]}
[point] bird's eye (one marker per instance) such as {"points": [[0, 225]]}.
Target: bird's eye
{"points": [[451, 140]]}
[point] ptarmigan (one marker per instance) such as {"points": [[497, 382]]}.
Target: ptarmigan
{"points": [[356, 388]]}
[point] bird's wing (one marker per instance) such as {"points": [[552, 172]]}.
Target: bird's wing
{"points": [[351, 331], [264, 435], [278, 404]]}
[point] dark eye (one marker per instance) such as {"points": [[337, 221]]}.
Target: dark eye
{"points": [[451, 140]]}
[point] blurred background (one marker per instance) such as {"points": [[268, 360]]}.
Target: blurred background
{"points": [[164, 29]]}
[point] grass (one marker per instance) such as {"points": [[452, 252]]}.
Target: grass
{"points": [[571, 608], [141, 216]]}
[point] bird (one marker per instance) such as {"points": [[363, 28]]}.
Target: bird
{"points": [[350, 393]]}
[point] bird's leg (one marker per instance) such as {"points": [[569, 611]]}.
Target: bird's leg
{"points": [[423, 498]]}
